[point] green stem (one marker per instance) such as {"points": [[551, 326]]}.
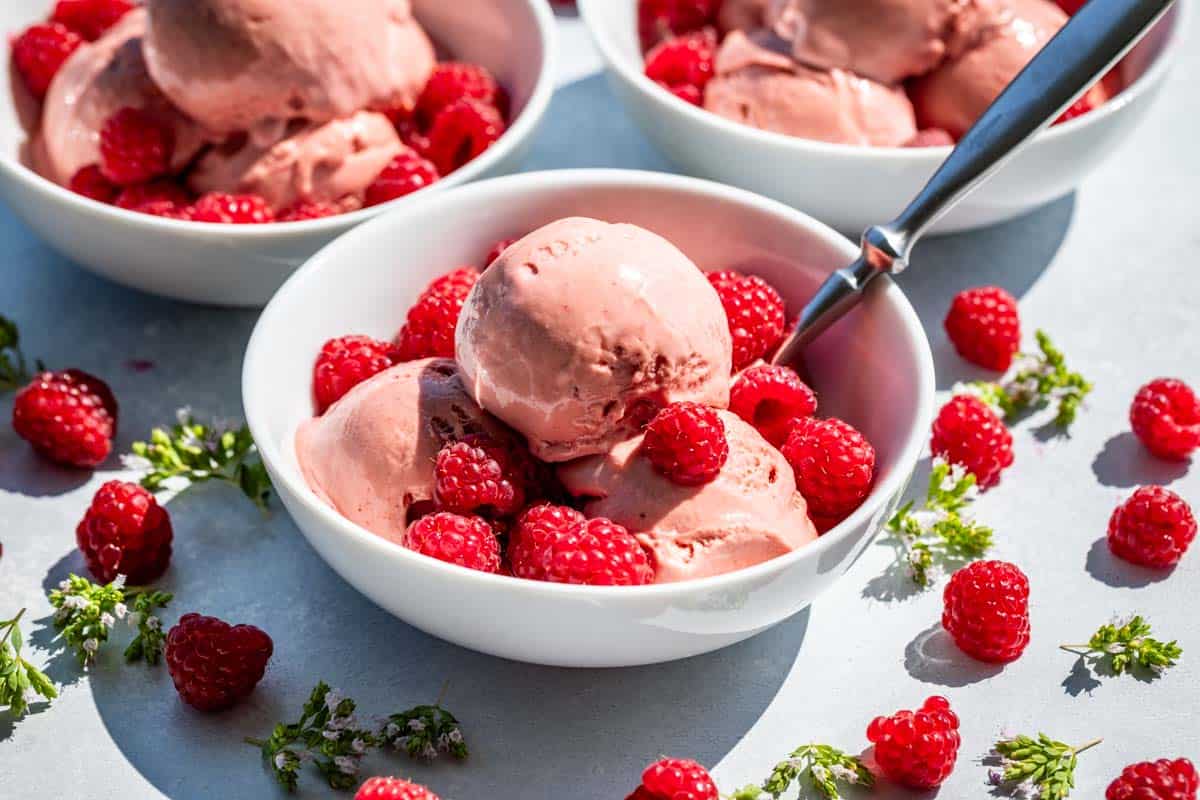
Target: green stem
{"points": [[1087, 746], [255, 742], [1076, 649], [10, 624]]}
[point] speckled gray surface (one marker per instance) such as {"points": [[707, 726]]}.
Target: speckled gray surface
{"points": [[1111, 271]]}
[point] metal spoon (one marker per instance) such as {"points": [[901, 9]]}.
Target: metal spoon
{"points": [[1084, 50]]}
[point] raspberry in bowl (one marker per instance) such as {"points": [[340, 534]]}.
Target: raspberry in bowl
{"points": [[245, 139], [602, 506]]}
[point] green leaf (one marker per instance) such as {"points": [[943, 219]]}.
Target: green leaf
{"points": [[1127, 647], [1045, 764], [1037, 380], [13, 371]]}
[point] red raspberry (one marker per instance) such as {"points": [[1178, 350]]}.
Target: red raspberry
{"points": [[69, 417], [676, 779], [90, 182], [214, 664], [497, 249], [684, 63], [756, 314], [1077, 109], [834, 465], [1165, 415], [460, 132], [930, 137], [305, 210], [536, 528], [987, 611], [770, 398], [90, 18], [1071, 6], [452, 81], [232, 209], [163, 198], [40, 51], [917, 749], [556, 544], [662, 19], [686, 443], [392, 789], [968, 432], [476, 475], [125, 532], [405, 174], [984, 327], [428, 331], [1153, 528], [346, 362], [135, 147], [466, 541], [1156, 780]]}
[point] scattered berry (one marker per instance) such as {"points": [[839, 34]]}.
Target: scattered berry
{"points": [[917, 749], [555, 543], [684, 63], [40, 51], [477, 475], [466, 541], [214, 664], [460, 132], [90, 182], [662, 19], [69, 417], [1165, 416], [984, 327], [756, 314], [1156, 780], [676, 779], [770, 398], [125, 532], [392, 789], [686, 443], [497, 249], [968, 432], [305, 210], [428, 331], [162, 198], [404, 174], [452, 81], [346, 362], [987, 611], [232, 209], [834, 465], [1153, 528], [90, 18], [930, 137], [135, 147]]}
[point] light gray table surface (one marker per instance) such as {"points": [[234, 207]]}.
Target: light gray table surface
{"points": [[1111, 271]]}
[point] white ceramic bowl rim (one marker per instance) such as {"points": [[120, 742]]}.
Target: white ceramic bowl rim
{"points": [[933, 155], [521, 128], [273, 454]]}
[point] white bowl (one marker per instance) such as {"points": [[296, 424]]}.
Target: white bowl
{"points": [[873, 368], [244, 265], [851, 187]]}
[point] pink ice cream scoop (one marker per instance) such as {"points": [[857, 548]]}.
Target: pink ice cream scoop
{"points": [[371, 455], [751, 513], [330, 162], [581, 329], [742, 15], [240, 64], [757, 85]]}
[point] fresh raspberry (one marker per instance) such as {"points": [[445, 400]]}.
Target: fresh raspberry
{"points": [[232, 209], [135, 147], [676, 779], [69, 417], [346, 362], [90, 182], [452, 81], [684, 63], [428, 330], [756, 314], [392, 789], [466, 541], [90, 18], [968, 432], [834, 465], [40, 51], [984, 327], [686, 443], [404, 174], [1071, 6], [476, 475], [1165, 415], [1156, 780], [930, 137], [531, 536], [1153, 528], [162, 198], [497, 249], [214, 664], [556, 544], [770, 398], [1080, 107], [662, 19], [412, 134], [987, 611], [305, 210], [460, 132], [125, 532], [917, 749]]}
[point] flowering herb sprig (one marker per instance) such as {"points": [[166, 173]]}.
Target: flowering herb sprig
{"points": [[87, 613], [1042, 763], [148, 644], [21, 683], [1127, 646], [424, 732], [193, 452], [824, 767], [14, 371], [1036, 380]]}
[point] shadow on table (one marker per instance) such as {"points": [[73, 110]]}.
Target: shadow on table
{"points": [[932, 657], [532, 730], [1108, 569], [1125, 463]]}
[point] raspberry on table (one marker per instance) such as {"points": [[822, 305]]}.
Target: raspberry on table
{"points": [[684, 65], [834, 465], [40, 51], [90, 18], [68, 417], [135, 147], [232, 209], [770, 398], [968, 432], [428, 330], [404, 174], [90, 182], [986, 611], [1164, 779], [460, 132], [1165, 416], [477, 475], [676, 779], [163, 198], [452, 81], [392, 789], [1153, 528], [125, 532], [985, 327], [557, 544], [497, 250], [463, 540], [917, 749], [305, 210], [756, 314], [213, 664], [345, 362], [686, 443], [662, 19]]}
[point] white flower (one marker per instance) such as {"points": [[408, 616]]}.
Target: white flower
{"points": [[120, 610], [153, 623], [64, 585], [136, 463], [281, 759], [416, 725], [330, 735], [429, 752], [1115, 647], [333, 699], [91, 645], [183, 415], [107, 620], [75, 601], [455, 736], [118, 582], [844, 773], [820, 774], [358, 746], [347, 765], [391, 730]]}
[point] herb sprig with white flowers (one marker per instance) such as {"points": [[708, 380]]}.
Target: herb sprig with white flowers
{"points": [[1042, 763], [1124, 647], [14, 372], [1036, 380], [87, 613], [823, 766], [21, 683]]}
